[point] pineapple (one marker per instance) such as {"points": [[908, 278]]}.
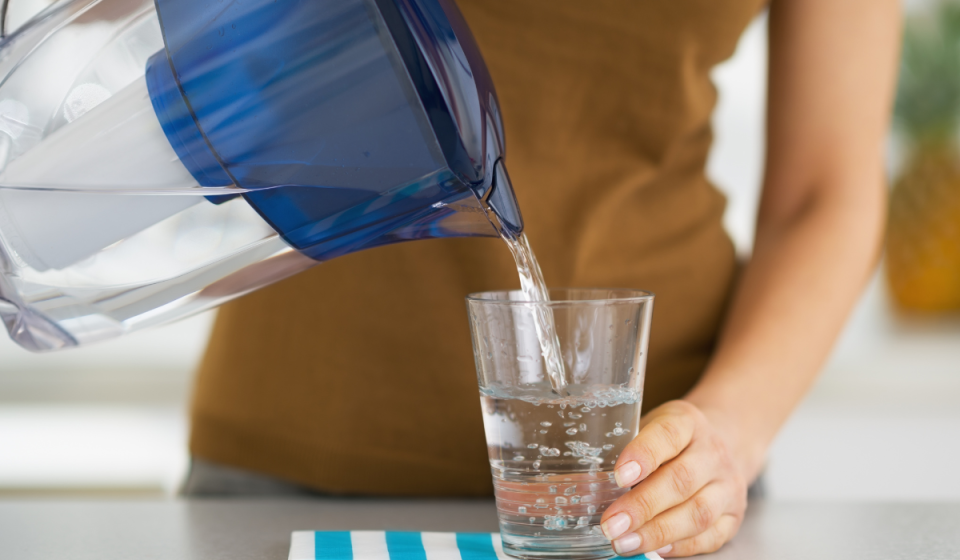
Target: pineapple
{"points": [[923, 230]]}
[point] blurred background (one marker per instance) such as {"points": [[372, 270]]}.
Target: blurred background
{"points": [[882, 423]]}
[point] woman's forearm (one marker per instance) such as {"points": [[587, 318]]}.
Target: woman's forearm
{"points": [[790, 305], [831, 74]]}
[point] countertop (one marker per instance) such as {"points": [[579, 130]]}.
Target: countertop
{"points": [[248, 529]]}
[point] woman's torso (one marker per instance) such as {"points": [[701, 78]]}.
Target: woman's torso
{"points": [[357, 376]]}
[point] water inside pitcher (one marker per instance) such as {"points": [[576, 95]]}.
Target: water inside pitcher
{"points": [[158, 158]]}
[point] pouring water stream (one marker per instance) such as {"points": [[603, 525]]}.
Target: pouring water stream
{"points": [[535, 290]]}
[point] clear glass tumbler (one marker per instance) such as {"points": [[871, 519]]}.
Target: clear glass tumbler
{"points": [[552, 456]]}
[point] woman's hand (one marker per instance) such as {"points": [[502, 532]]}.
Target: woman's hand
{"points": [[688, 496]]}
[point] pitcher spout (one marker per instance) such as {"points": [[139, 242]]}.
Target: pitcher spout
{"points": [[503, 201]]}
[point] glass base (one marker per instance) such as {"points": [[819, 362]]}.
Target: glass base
{"points": [[556, 550], [584, 543]]}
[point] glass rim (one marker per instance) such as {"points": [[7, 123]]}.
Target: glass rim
{"points": [[635, 296]]}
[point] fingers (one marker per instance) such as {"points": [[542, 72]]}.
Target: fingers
{"points": [[686, 496], [689, 519], [708, 541], [672, 484], [697, 526], [667, 431]]}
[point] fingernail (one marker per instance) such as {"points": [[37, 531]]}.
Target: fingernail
{"points": [[628, 543], [616, 525], [627, 474], [665, 549]]}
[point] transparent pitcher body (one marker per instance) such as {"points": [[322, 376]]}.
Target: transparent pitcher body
{"points": [[160, 158]]}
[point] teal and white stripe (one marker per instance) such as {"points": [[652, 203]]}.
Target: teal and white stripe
{"points": [[398, 545], [395, 545]]}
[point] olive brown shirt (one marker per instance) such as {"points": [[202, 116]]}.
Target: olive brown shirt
{"points": [[357, 376]]}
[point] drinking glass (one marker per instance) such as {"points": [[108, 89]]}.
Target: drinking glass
{"points": [[552, 449]]}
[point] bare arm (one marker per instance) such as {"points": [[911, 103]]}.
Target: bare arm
{"points": [[832, 70]]}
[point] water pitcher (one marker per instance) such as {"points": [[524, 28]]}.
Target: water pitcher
{"points": [[160, 157]]}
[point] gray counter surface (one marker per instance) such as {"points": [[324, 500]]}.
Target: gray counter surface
{"points": [[244, 529]]}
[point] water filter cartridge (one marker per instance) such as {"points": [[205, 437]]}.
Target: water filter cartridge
{"points": [[116, 147]]}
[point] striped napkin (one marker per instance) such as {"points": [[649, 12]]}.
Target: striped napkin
{"points": [[397, 545]]}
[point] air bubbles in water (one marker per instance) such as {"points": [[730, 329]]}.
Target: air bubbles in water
{"points": [[588, 454], [554, 522], [583, 449]]}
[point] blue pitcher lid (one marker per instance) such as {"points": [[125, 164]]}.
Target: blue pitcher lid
{"points": [[347, 98]]}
